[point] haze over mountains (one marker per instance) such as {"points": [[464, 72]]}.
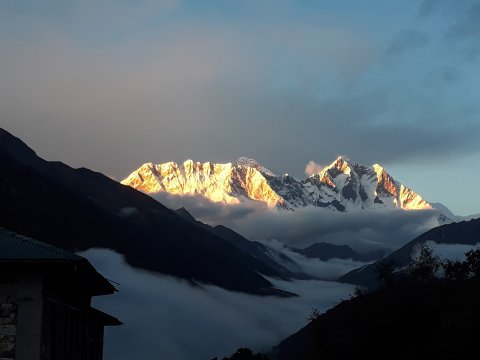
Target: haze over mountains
{"points": [[344, 203], [341, 186], [79, 209]]}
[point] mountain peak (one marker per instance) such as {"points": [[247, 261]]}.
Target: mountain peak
{"points": [[378, 168], [185, 214], [341, 164], [344, 185], [245, 162]]}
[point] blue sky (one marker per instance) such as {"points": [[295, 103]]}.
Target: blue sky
{"points": [[112, 84]]}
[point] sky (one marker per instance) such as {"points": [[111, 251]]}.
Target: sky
{"points": [[112, 84]]}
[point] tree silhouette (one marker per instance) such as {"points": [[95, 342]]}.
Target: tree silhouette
{"points": [[314, 314], [473, 263], [455, 270], [385, 272], [463, 270], [425, 266], [246, 354]]}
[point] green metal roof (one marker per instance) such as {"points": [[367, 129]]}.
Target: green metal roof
{"points": [[18, 247]]}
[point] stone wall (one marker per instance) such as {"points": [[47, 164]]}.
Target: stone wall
{"points": [[8, 330], [21, 307]]}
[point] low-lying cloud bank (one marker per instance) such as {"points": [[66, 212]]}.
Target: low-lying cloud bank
{"points": [[454, 252], [316, 268], [362, 230], [167, 318]]}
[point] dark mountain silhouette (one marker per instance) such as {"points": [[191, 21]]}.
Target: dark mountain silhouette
{"points": [[465, 232], [78, 209], [261, 252], [412, 320], [413, 315], [325, 251], [254, 248]]}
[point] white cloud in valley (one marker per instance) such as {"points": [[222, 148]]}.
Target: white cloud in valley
{"points": [[454, 252], [361, 230], [168, 318]]}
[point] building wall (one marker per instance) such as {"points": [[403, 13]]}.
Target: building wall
{"points": [[40, 320], [20, 316], [71, 333], [8, 330]]}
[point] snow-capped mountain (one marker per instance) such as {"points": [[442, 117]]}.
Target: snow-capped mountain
{"points": [[229, 183], [341, 186]]}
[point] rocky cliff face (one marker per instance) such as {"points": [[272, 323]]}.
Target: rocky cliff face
{"points": [[229, 183], [341, 186]]}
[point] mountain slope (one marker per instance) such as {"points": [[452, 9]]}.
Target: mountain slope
{"points": [[466, 232], [341, 186], [414, 320], [266, 265], [227, 183], [325, 251], [444, 210], [79, 209]]}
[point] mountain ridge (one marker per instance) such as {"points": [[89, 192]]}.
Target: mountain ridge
{"points": [[342, 186], [254, 248], [464, 233], [79, 209], [325, 251]]}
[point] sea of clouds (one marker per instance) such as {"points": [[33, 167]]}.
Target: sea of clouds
{"points": [[168, 318]]}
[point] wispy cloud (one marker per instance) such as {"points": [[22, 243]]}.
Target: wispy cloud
{"points": [[170, 80], [462, 29], [317, 269], [455, 252], [362, 230], [407, 40], [313, 168]]}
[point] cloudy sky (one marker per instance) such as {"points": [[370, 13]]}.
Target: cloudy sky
{"points": [[112, 84]]}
